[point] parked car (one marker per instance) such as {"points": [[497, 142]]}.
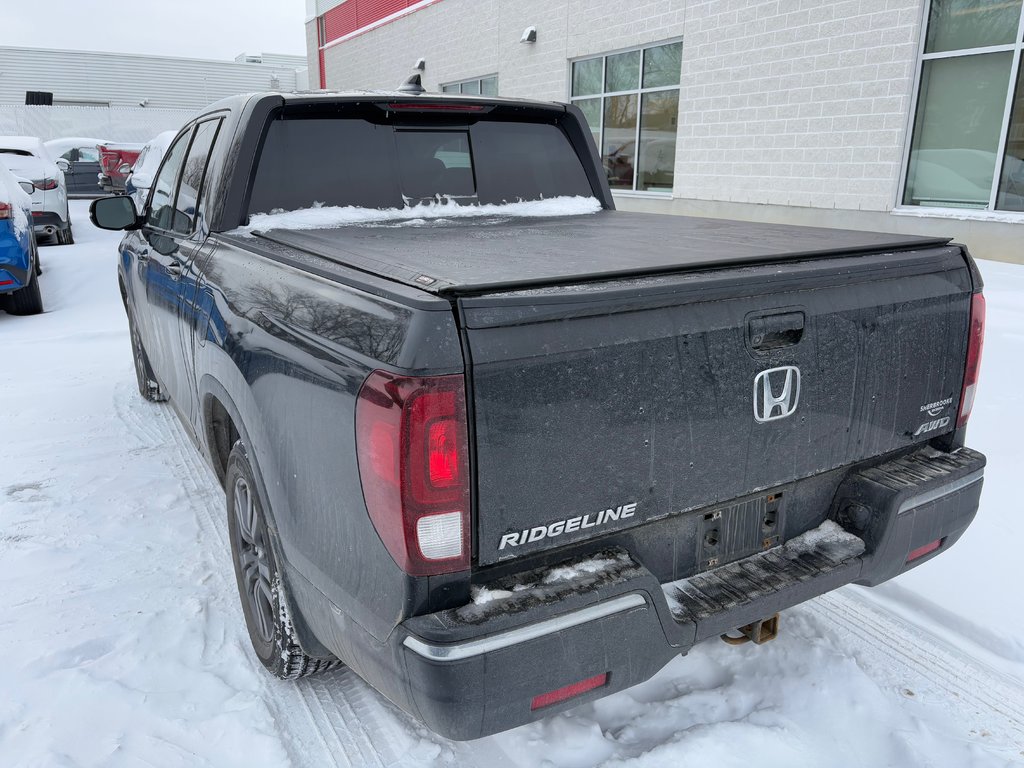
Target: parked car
{"points": [[116, 161], [144, 171], [83, 158], [19, 257], [502, 460], [27, 157]]}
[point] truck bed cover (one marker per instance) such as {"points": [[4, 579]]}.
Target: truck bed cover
{"points": [[479, 255]]}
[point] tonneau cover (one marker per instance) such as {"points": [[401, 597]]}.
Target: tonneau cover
{"points": [[468, 256]]}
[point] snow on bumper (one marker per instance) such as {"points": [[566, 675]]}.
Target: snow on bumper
{"points": [[479, 669]]}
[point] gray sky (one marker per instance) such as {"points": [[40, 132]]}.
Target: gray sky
{"points": [[203, 29]]}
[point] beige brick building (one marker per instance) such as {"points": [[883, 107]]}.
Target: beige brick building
{"points": [[897, 115]]}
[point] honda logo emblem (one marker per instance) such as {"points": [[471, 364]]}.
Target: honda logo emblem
{"points": [[776, 393]]}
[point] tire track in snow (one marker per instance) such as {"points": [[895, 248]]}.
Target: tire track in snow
{"points": [[333, 719], [902, 655]]}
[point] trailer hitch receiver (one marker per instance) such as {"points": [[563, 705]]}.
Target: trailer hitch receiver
{"points": [[757, 632]]}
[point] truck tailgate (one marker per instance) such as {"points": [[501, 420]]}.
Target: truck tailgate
{"points": [[602, 406]]}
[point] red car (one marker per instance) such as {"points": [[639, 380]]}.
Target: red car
{"points": [[116, 161]]}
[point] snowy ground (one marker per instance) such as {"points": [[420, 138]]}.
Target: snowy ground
{"points": [[124, 643]]}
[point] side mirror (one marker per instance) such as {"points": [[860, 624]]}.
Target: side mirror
{"points": [[116, 213], [63, 164], [28, 186], [142, 180], [124, 169]]}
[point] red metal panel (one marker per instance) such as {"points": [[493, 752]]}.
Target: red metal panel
{"points": [[341, 20], [353, 15], [375, 10]]}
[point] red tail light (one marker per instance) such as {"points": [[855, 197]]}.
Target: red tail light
{"points": [[421, 106], [569, 691], [46, 184], [975, 341], [6, 212], [413, 450], [927, 549]]}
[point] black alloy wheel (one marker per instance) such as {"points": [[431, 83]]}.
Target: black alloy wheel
{"points": [[264, 603]]}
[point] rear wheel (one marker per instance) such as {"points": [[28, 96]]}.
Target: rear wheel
{"points": [[27, 300], [65, 236], [259, 581], [149, 387]]}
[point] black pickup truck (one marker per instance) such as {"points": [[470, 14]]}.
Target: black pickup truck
{"points": [[501, 448]]}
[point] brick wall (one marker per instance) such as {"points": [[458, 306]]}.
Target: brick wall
{"points": [[788, 102], [796, 102], [312, 55]]}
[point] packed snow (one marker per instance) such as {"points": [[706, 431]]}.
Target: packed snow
{"points": [[125, 644], [326, 217]]}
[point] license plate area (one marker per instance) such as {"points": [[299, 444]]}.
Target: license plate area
{"points": [[739, 530]]}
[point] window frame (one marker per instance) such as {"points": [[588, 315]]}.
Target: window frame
{"points": [[188, 135], [639, 92], [478, 80], [200, 192], [1016, 49]]}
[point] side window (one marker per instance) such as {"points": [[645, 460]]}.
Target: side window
{"points": [[193, 175], [161, 206]]}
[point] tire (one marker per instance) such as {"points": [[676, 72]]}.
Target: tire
{"points": [[35, 253], [149, 387], [65, 236], [260, 587], [27, 300]]}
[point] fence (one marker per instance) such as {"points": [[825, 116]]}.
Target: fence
{"points": [[128, 124]]}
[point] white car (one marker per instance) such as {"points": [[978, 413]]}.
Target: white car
{"points": [[27, 157], [145, 168]]}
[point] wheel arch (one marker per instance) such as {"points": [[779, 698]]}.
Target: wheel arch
{"points": [[222, 424]]}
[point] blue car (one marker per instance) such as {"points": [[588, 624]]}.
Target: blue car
{"points": [[19, 257]]}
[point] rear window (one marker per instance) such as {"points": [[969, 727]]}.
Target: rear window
{"points": [[354, 162]]}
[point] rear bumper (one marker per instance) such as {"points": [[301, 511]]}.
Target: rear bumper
{"points": [[47, 222], [476, 670]]}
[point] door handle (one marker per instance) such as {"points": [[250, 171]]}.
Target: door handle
{"points": [[175, 267], [770, 332]]}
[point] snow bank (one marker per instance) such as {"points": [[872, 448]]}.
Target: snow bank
{"points": [[14, 196], [327, 217]]}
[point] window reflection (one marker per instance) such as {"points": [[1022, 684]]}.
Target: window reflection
{"points": [[630, 98]]}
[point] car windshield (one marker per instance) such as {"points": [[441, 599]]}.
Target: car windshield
{"points": [[334, 161]]}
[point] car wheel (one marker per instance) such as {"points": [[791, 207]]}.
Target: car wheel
{"points": [[260, 587], [65, 236], [35, 253], [149, 387], [27, 300]]}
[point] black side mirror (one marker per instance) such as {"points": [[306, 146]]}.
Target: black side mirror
{"points": [[116, 213]]}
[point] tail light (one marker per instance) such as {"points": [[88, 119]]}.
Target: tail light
{"points": [[975, 341], [413, 450], [6, 212], [568, 692], [46, 184]]}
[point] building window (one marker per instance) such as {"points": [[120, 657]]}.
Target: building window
{"points": [[631, 100], [481, 86], [967, 146]]}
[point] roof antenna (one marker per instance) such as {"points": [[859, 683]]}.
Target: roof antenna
{"points": [[413, 84]]}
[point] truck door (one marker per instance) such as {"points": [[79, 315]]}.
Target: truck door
{"points": [[176, 233]]}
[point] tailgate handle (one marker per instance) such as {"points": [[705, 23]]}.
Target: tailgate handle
{"points": [[775, 331]]}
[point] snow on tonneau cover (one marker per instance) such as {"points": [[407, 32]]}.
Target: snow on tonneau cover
{"points": [[603, 400]]}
